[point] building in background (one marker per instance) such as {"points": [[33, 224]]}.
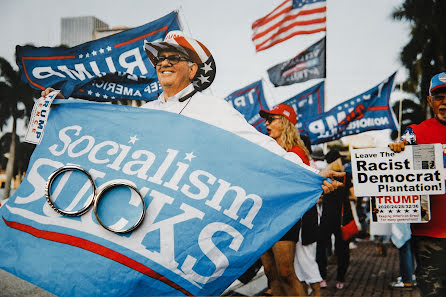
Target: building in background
{"points": [[78, 30]]}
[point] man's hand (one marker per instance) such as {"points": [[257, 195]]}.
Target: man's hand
{"points": [[398, 147], [49, 90], [326, 185]]}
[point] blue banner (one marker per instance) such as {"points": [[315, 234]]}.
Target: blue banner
{"points": [[249, 101], [83, 71], [212, 207], [365, 112], [308, 104]]}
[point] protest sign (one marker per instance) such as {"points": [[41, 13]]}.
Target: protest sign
{"points": [[418, 170], [214, 204], [400, 209], [39, 116]]}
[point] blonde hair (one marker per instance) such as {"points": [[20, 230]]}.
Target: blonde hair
{"points": [[290, 137]]}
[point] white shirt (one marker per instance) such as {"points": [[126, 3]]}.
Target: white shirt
{"points": [[219, 113]]}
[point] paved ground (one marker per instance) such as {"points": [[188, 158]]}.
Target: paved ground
{"points": [[368, 275]]}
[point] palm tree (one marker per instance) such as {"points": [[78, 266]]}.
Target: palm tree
{"points": [[16, 102], [424, 55]]}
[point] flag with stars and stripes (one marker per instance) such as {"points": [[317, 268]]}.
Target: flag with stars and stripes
{"points": [[214, 201], [290, 18], [365, 112], [111, 68]]}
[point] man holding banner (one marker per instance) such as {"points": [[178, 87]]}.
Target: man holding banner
{"points": [[429, 239], [185, 67]]}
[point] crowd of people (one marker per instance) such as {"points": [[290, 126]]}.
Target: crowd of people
{"points": [[297, 263]]}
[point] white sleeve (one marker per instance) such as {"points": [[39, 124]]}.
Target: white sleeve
{"points": [[231, 120]]}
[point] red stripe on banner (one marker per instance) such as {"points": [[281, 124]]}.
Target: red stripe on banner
{"points": [[97, 249], [41, 58], [259, 48], [378, 108], [165, 28]]}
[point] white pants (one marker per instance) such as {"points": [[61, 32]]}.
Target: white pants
{"points": [[305, 263]]}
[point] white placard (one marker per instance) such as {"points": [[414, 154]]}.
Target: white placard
{"points": [[39, 117], [400, 209], [418, 170]]}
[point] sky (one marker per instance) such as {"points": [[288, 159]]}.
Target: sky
{"points": [[363, 41]]}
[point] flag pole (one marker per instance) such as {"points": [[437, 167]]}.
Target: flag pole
{"points": [[400, 112]]}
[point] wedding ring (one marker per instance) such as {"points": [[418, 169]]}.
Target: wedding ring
{"points": [[50, 183], [107, 188]]}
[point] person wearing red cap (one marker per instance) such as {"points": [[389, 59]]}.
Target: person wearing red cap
{"points": [[278, 261], [429, 239]]}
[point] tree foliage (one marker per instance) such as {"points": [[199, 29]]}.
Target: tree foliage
{"points": [[424, 55]]}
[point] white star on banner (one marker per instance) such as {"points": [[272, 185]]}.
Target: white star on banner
{"points": [[87, 55], [133, 139], [207, 67], [97, 94], [94, 53], [105, 96], [203, 79], [109, 48], [89, 92], [189, 156], [101, 51], [81, 56]]}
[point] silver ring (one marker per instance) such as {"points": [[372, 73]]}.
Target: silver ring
{"points": [[50, 183], [106, 189]]}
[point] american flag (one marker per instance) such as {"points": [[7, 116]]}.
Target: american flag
{"points": [[292, 17]]}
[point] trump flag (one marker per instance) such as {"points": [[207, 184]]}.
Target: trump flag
{"points": [[249, 101], [307, 65], [365, 112], [214, 203], [113, 67], [308, 104]]}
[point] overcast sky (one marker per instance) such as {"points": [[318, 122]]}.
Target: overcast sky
{"points": [[363, 42]]}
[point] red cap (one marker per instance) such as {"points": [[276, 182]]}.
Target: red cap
{"points": [[281, 109]]}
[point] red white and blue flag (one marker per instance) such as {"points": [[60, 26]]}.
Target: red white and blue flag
{"points": [[290, 18]]}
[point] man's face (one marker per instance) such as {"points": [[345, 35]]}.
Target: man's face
{"points": [[175, 75], [438, 104]]}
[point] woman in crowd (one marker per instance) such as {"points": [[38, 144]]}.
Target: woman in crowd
{"points": [[278, 262]]}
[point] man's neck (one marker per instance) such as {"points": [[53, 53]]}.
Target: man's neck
{"points": [[169, 92]]}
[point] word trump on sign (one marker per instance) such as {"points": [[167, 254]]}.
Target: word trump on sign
{"points": [[417, 170], [400, 209]]}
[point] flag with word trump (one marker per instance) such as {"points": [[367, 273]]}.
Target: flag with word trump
{"points": [[308, 104], [249, 101], [365, 112], [112, 206], [107, 69], [309, 64], [290, 18]]}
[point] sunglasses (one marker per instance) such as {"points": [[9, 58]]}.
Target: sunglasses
{"points": [[271, 118], [172, 59], [437, 98]]}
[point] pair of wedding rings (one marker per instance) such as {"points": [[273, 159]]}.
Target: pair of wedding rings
{"points": [[94, 198]]}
